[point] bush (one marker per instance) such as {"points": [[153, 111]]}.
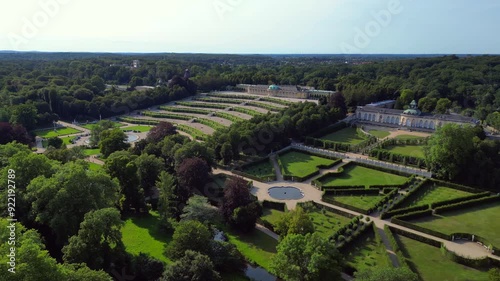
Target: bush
{"points": [[419, 228], [280, 206]]}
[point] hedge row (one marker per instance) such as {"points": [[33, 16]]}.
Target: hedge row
{"points": [[410, 195], [280, 206], [349, 207], [202, 105], [393, 142], [419, 228], [351, 191], [386, 198], [242, 97], [343, 187], [230, 117], [385, 155], [467, 204], [212, 124], [339, 146], [138, 121], [246, 111], [395, 247], [353, 225], [403, 211], [364, 229], [261, 179], [218, 100], [414, 215], [278, 101], [264, 105], [300, 179], [167, 115], [185, 110], [195, 133], [330, 209], [457, 186], [415, 236], [460, 199], [382, 169]]}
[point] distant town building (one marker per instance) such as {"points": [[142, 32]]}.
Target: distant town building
{"points": [[287, 91], [136, 64], [412, 118], [187, 74]]}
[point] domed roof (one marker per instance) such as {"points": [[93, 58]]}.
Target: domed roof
{"points": [[274, 87], [412, 111]]}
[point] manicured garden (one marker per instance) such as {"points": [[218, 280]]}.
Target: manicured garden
{"points": [[90, 126], [327, 223], [142, 234], [358, 175], [347, 135], [482, 220], [271, 215], [408, 150], [432, 265], [366, 253], [138, 128], [435, 193], [379, 133], [364, 202], [90, 152], [50, 133], [262, 169], [95, 167], [408, 137], [299, 164]]}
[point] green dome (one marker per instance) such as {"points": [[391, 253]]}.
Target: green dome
{"points": [[412, 111], [274, 87]]}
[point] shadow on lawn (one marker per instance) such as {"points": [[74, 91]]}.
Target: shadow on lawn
{"points": [[152, 224]]}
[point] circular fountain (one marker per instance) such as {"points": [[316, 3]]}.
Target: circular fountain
{"points": [[285, 193]]}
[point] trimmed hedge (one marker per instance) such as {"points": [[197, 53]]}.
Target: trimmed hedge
{"points": [[195, 133], [280, 206], [415, 215], [457, 186], [167, 115], [457, 200], [417, 237], [263, 178], [403, 211], [212, 124], [246, 111], [242, 97], [349, 207], [138, 121], [410, 195], [419, 228], [202, 105], [343, 187], [300, 179], [466, 204], [385, 155], [185, 110], [265, 106], [333, 210], [243, 174], [382, 169], [351, 191], [395, 247], [230, 117]]}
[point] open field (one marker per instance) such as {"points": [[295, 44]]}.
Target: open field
{"points": [[366, 253], [256, 246], [271, 215], [142, 234], [89, 152], [433, 265], [379, 133], [480, 220], [301, 164], [358, 175], [139, 128], [364, 202], [408, 150], [50, 133], [263, 169], [347, 135], [432, 194]]}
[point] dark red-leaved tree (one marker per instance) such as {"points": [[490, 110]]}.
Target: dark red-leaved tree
{"points": [[9, 133], [192, 173], [162, 130], [236, 194], [337, 100]]}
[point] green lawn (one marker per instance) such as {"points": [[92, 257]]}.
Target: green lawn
{"points": [[142, 234], [358, 175], [139, 128], [367, 253], [50, 133], [271, 215], [94, 166], [364, 202], [407, 137], [347, 135], [482, 220], [256, 246], [89, 152], [434, 193], [262, 169], [379, 133], [67, 140], [90, 126], [409, 150], [433, 265], [327, 223], [301, 164]]}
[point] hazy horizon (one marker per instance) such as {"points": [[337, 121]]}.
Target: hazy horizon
{"points": [[381, 27]]}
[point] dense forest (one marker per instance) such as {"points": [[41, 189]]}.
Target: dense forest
{"points": [[39, 88]]}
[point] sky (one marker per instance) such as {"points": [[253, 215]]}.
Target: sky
{"points": [[252, 26]]}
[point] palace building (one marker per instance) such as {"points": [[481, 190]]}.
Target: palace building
{"points": [[382, 114], [287, 91]]}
